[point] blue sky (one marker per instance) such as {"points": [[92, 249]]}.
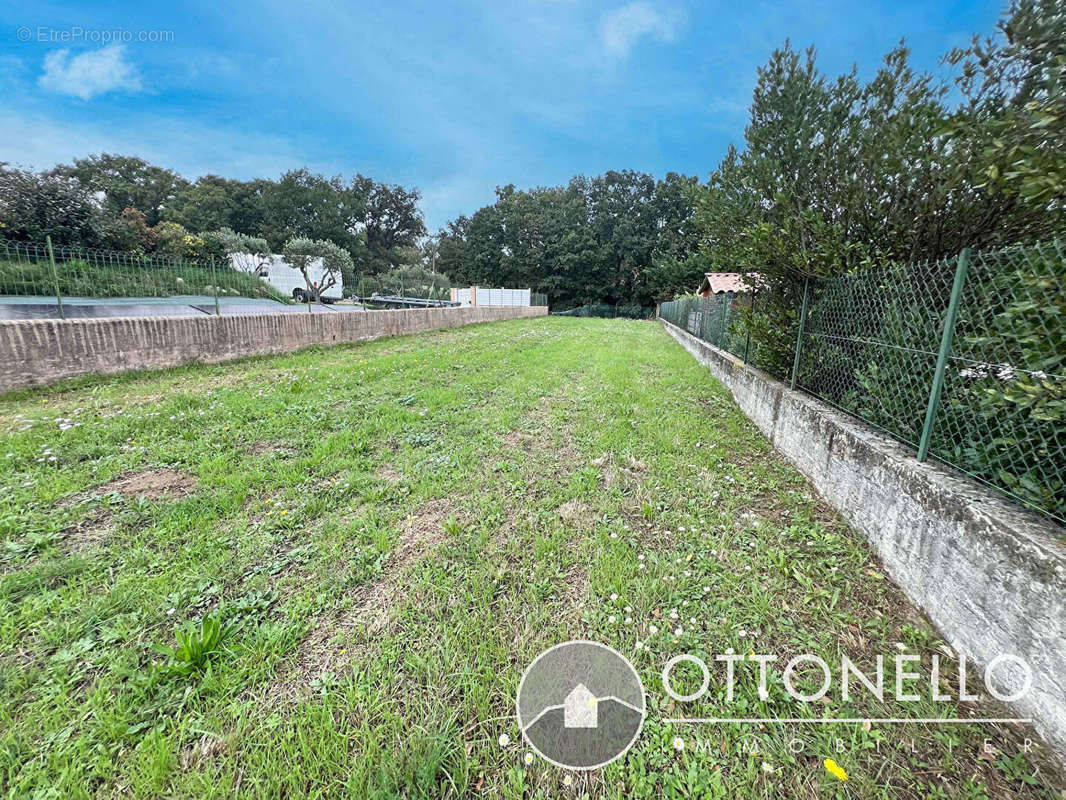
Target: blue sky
{"points": [[452, 97]]}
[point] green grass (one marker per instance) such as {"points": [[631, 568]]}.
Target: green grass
{"points": [[383, 536]]}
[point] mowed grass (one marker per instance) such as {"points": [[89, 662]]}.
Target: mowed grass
{"points": [[388, 534]]}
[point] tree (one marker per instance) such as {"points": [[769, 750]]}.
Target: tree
{"points": [[391, 219], [34, 205], [128, 232], [213, 202], [452, 252], [308, 205], [247, 253], [593, 240], [126, 182], [1015, 109], [170, 239], [301, 253]]}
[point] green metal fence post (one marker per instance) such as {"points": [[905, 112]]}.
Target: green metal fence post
{"points": [[950, 318], [55, 277], [214, 284], [799, 333], [747, 328]]}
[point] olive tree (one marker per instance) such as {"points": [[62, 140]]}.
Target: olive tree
{"points": [[247, 253], [301, 253]]}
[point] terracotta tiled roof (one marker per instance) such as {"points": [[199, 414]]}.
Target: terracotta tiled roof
{"points": [[724, 282]]}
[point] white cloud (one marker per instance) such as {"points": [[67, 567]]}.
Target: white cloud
{"points": [[621, 28], [36, 141], [89, 74]]}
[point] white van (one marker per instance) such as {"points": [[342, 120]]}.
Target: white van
{"points": [[288, 280]]}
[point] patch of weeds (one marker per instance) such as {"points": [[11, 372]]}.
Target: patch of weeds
{"points": [[324, 682], [197, 597], [32, 542], [1017, 769], [196, 645], [420, 439], [249, 607]]}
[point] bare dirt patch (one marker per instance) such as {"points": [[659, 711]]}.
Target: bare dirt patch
{"points": [[576, 514], [271, 449], [326, 648], [388, 473], [519, 440], [205, 749], [151, 483], [625, 472], [88, 535]]}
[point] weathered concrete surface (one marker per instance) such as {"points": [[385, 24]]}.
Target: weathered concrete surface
{"points": [[991, 576], [35, 352]]}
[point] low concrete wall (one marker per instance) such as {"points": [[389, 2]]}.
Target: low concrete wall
{"points": [[991, 576], [35, 352]]}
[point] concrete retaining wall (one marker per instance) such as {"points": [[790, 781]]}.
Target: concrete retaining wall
{"points": [[991, 576], [35, 352]]}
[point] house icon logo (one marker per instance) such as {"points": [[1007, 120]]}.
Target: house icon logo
{"points": [[580, 705], [579, 708]]}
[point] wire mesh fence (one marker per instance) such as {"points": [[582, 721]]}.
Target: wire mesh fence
{"points": [[35, 269], [963, 359], [624, 310]]}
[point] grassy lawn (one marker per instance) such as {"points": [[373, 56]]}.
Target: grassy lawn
{"points": [[389, 533]]}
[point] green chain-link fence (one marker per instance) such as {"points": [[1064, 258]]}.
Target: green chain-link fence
{"points": [[34, 269], [964, 359], [625, 310]]}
